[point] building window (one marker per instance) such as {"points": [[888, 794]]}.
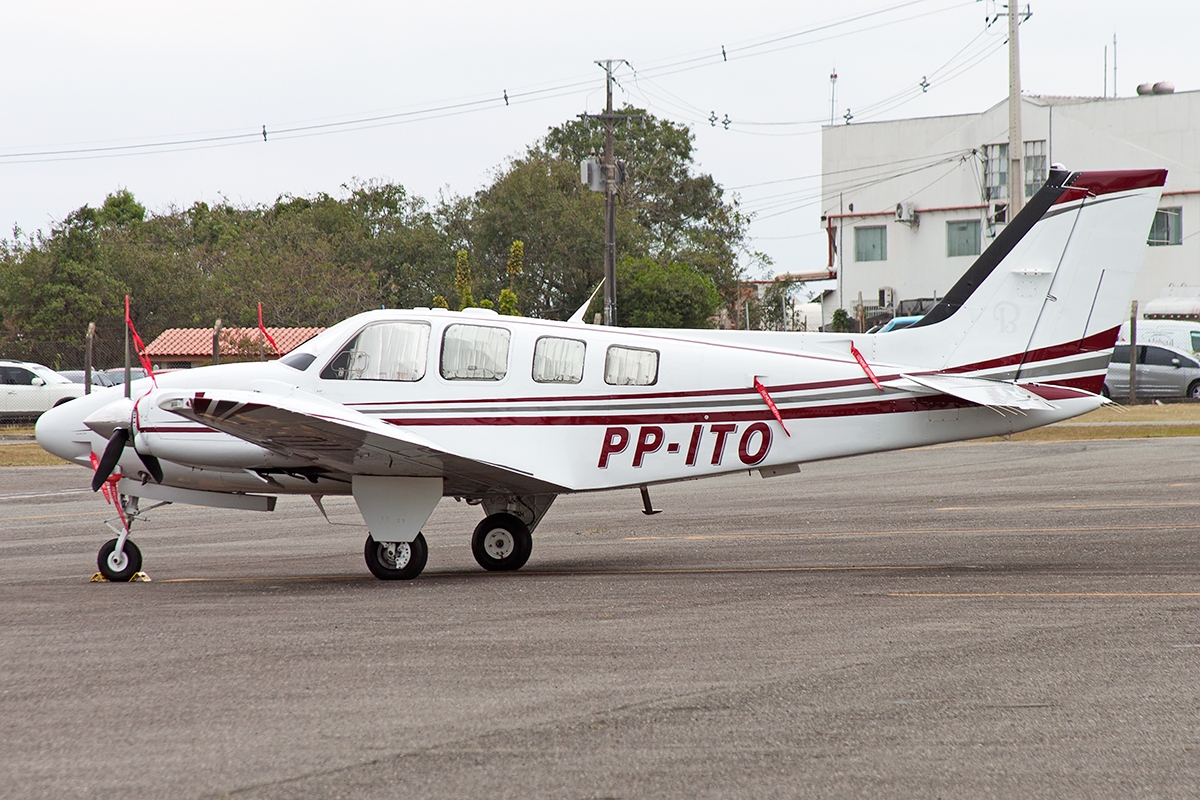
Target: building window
{"points": [[995, 172], [1167, 227], [1035, 166], [870, 244], [558, 360], [474, 353], [630, 366], [962, 238]]}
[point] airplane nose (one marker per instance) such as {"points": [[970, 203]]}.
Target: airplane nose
{"points": [[60, 431]]}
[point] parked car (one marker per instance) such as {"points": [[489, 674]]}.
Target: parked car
{"points": [[117, 375], [27, 389], [98, 378], [1162, 371], [896, 323]]}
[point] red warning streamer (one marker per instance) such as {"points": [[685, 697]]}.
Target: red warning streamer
{"points": [[771, 404], [862, 362], [109, 488], [264, 331], [138, 346]]}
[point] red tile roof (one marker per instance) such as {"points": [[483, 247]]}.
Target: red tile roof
{"points": [[197, 342]]}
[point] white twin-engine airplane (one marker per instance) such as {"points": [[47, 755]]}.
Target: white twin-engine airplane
{"points": [[402, 408]]}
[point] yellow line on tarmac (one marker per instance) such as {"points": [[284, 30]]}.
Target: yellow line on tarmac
{"points": [[1071, 507], [1041, 594], [914, 532]]}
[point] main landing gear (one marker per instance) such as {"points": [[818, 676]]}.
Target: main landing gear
{"points": [[396, 561], [502, 542]]}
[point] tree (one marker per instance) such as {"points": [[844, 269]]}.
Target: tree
{"points": [[462, 281], [655, 295], [666, 210]]}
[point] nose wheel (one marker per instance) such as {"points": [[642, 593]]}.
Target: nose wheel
{"points": [[119, 565], [396, 561], [501, 543]]}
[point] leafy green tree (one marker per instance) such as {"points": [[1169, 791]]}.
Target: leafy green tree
{"points": [[840, 323], [655, 295], [462, 281]]}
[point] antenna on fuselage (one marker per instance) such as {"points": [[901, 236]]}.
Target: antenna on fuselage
{"points": [[578, 315]]}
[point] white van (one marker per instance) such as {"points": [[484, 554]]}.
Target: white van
{"points": [[1178, 333]]}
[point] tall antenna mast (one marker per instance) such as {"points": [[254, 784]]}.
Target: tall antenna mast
{"points": [[1114, 63], [832, 94]]}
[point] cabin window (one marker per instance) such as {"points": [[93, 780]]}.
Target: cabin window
{"points": [[474, 353], [385, 351], [1167, 227], [962, 238], [870, 243], [558, 360], [629, 366]]}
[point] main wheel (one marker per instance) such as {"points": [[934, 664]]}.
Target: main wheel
{"points": [[119, 568], [501, 542], [396, 561], [1194, 390], [1104, 392]]}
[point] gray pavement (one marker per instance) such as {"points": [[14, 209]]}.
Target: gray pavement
{"points": [[979, 620]]}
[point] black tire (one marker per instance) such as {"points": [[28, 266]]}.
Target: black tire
{"points": [[119, 572], [501, 543], [409, 560], [1194, 390], [1104, 392]]}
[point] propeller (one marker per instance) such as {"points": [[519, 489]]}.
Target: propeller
{"points": [[112, 454], [116, 421]]}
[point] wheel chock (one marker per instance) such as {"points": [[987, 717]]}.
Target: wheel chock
{"points": [[138, 577]]}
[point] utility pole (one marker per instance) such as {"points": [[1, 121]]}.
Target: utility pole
{"points": [[610, 193], [1016, 145], [610, 203]]}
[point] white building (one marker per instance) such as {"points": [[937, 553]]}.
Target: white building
{"points": [[908, 204]]}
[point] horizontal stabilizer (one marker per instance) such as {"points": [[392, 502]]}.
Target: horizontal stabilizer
{"points": [[983, 392]]}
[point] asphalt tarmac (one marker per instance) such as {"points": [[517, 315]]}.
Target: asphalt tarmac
{"points": [[977, 620]]}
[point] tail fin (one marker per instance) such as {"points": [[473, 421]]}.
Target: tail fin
{"points": [[1044, 301]]}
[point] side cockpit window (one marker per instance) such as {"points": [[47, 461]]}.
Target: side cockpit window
{"points": [[475, 353], [629, 366], [558, 360], [385, 351]]}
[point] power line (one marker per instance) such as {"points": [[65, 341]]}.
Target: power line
{"points": [[365, 122]]}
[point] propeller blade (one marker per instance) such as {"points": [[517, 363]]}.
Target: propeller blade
{"points": [[112, 454], [152, 466]]}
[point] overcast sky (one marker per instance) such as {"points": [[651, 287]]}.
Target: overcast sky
{"points": [[86, 75]]}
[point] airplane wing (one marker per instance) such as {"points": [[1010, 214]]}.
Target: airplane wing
{"points": [[342, 440], [983, 392]]}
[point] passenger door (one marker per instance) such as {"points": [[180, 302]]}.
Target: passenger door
{"points": [[1158, 373]]}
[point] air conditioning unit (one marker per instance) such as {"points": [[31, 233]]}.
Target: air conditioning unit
{"points": [[906, 212], [886, 294]]}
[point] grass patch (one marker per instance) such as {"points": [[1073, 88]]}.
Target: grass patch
{"points": [[27, 455], [1064, 433]]}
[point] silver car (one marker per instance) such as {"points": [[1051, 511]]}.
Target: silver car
{"points": [[1162, 371]]}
